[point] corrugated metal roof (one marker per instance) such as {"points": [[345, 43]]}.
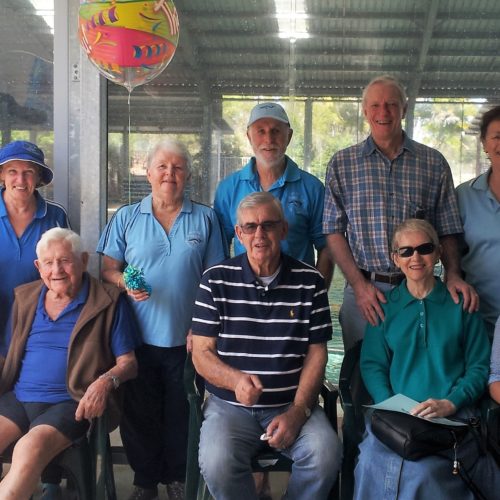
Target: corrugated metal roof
{"points": [[438, 48], [446, 48]]}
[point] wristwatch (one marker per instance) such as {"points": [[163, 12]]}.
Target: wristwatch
{"points": [[114, 379], [307, 411]]}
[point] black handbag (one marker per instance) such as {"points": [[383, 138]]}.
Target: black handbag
{"points": [[413, 438]]}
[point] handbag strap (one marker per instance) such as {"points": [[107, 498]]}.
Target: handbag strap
{"points": [[464, 475], [474, 425]]}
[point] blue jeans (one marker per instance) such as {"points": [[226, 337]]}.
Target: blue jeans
{"points": [[230, 438], [381, 474]]}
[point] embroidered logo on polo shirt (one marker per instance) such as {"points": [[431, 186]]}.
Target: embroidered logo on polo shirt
{"points": [[194, 238]]}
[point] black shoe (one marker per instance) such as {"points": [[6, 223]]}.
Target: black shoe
{"points": [[175, 490], [144, 493]]}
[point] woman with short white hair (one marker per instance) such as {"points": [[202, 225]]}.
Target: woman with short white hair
{"points": [[432, 351]]}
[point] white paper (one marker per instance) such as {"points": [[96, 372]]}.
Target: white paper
{"points": [[404, 404]]}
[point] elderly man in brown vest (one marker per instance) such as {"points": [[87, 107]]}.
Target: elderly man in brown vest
{"points": [[73, 342]]}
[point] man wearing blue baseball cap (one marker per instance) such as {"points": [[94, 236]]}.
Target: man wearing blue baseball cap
{"points": [[24, 216], [270, 169]]}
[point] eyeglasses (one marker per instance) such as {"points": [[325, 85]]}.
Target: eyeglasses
{"points": [[423, 249], [267, 226]]}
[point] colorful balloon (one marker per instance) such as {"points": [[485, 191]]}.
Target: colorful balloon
{"points": [[129, 41]]}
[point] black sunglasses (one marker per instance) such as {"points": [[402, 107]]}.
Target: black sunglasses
{"points": [[423, 249], [267, 226]]}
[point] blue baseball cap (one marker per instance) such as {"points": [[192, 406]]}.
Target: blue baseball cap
{"points": [[27, 151], [268, 110]]}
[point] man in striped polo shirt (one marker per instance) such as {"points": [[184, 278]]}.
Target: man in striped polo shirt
{"points": [[260, 326]]}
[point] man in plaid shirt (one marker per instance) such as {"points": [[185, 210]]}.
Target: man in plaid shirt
{"points": [[372, 187]]}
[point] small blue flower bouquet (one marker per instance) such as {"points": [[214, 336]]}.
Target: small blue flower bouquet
{"points": [[134, 279]]}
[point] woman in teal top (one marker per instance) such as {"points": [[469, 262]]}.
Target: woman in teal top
{"points": [[431, 350]]}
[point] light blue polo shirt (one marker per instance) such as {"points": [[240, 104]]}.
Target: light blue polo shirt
{"points": [[172, 263], [480, 213], [301, 195], [18, 254]]}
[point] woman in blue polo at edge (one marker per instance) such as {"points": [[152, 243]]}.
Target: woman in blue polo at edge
{"points": [[494, 379], [24, 217]]}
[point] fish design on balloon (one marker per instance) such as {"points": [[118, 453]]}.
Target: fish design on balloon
{"points": [[130, 42]]}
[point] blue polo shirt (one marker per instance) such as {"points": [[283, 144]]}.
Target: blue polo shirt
{"points": [[263, 329], [172, 263], [47, 347], [301, 195], [480, 213], [18, 254]]}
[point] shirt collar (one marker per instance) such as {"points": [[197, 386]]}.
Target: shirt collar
{"points": [[3, 208], [291, 173], [147, 205], [79, 300], [41, 205], [437, 295], [481, 182], [249, 275], [370, 147]]}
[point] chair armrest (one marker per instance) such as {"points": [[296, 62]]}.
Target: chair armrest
{"points": [[492, 412], [195, 400], [190, 377], [345, 392], [329, 392]]}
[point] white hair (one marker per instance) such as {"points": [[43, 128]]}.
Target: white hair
{"points": [[60, 234], [414, 226], [257, 199], [171, 146], [390, 81]]}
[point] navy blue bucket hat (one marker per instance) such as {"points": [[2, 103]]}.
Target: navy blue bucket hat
{"points": [[27, 151]]}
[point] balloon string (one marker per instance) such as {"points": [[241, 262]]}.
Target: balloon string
{"points": [[129, 156]]}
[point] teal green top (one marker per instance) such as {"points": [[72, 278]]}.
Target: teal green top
{"points": [[427, 348]]}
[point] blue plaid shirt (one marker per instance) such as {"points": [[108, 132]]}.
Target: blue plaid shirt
{"points": [[367, 196]]}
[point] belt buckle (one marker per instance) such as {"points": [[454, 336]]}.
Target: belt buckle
{"points": [[394, 279]]}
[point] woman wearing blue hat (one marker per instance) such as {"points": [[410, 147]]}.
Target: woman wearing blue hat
{"points": [[24, 216]]}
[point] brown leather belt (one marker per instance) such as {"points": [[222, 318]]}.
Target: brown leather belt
{"points": [[391, 279]]}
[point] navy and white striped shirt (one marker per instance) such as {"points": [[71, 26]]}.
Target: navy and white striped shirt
{"points": [[263, 330]]}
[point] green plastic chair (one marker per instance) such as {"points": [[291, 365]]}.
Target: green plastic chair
{"points": [[491, 416], [353, 395], [196, 488]]}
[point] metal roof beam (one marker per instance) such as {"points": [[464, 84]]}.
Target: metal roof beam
{"points": [[404, 34], [339, 15], [414, 85]]}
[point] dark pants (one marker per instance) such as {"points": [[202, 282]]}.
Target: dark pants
{"points": [[154, 427]]}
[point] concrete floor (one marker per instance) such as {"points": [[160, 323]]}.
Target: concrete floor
{"points": [[124, 478], [124, 487]]}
